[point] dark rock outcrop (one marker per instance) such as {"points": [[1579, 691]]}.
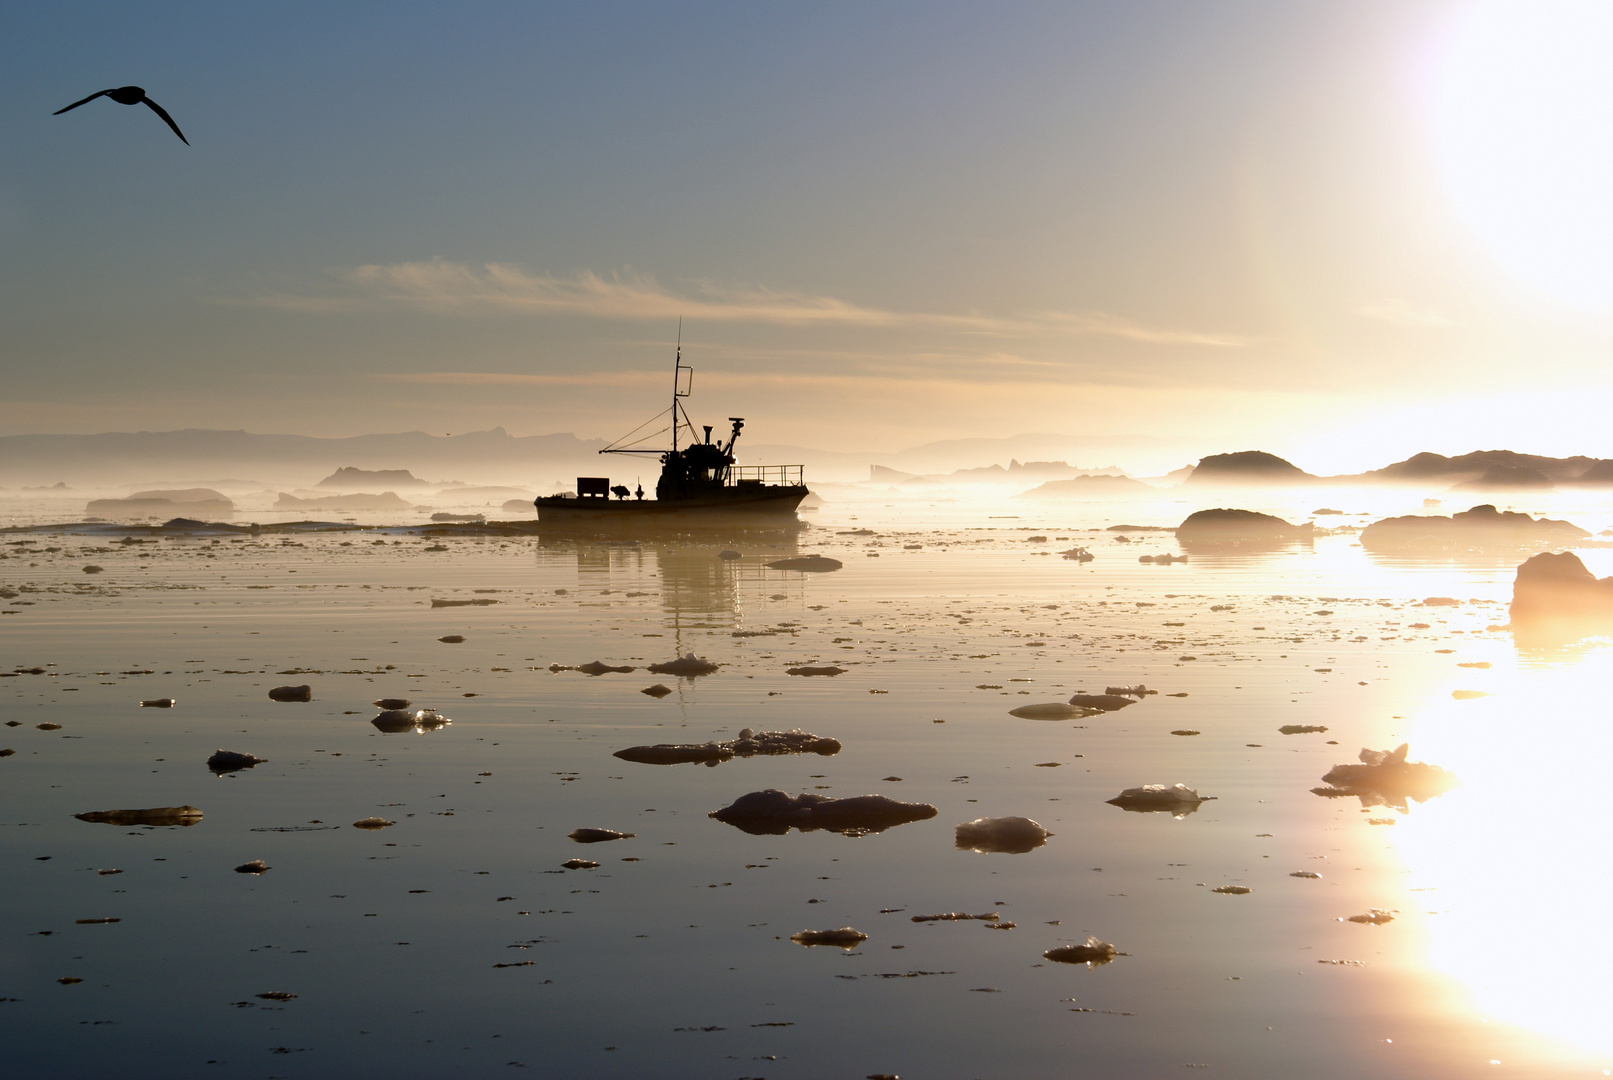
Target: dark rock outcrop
{"points": [[1481, 527]]}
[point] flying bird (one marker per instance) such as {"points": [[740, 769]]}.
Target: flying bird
{"points": [[131, 95]]}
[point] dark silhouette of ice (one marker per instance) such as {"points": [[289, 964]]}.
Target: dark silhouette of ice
{"points": [[772, 812], [224, 761], [1386, 778], [686, 666], [1228, 526], [1092, 952], [156, 815], [597, 836], [749, 744], [1481, 527], [846, 938]]}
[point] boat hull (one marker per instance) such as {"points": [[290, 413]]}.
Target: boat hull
{"points": [[772, 505]]}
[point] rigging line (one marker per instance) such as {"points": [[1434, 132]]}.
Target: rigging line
{"points": [[641, 427]]}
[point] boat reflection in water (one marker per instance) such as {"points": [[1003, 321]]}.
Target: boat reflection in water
{"points": [[705, 576]]}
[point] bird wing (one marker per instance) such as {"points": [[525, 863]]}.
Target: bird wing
{"points": [[76, 104], [158, 109]]}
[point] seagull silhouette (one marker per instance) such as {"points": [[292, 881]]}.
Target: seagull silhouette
{"points": [[131, 95]]}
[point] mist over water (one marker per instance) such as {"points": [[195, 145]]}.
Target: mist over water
{"points": [[673, 956]]}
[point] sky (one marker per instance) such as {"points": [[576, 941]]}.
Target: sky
{"points": [[1340, 232]]}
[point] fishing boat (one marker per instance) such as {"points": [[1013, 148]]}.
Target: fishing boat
{"points": [[700, 483]]}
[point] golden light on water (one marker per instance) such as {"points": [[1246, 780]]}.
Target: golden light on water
{"points": [[1515, 861], [1521, 106]]}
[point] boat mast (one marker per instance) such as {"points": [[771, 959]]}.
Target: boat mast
{"points": [[681, 388], [677, 363]]}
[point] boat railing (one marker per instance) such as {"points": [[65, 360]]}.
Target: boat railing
{"points": [[766, 474]]}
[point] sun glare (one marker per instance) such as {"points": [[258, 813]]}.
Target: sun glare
{"points": [[1521, 105], [1513, 866]]}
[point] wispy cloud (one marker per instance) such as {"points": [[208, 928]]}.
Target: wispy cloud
{"points": [[1400, 312], [445, 287]]}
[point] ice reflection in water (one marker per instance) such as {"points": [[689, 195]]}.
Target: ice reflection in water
{"points": [[679, 941]]}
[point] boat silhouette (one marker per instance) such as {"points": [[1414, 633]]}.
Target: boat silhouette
{"points": [[700, 484]]}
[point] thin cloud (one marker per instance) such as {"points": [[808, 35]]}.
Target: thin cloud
{"points": [[445, 287], [511, 378], [1404, 313]]}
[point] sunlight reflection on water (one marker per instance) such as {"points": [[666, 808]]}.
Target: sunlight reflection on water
{"points": [[951, 624]]}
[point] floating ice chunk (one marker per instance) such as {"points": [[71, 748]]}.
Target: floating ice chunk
{"points": [[1106, 702], [687, 666], [1302, 729], [1130, 691], [256, 866], [812, 564], [156, 815], [1178, 799], [1385, 777], [956, 916], [593, 667], [157, 703], [1372, 917], [1091, 952], [749, 744], [451, 639], [580, 864], [1008, 835], [676, 753], [390, 703], [597, 836], [394, 721], [1233, 890], [846, 938], [808, 669], [1050, 710], [657, 691], [774, 812], [292, 693], [224, 761]]}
